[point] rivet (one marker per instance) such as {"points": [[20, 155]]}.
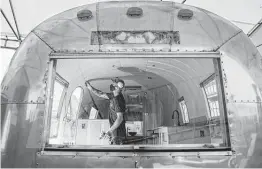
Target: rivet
{"points": [[198, 155]]}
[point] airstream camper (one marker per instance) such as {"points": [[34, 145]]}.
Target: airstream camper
{"points": [[192, 90]]}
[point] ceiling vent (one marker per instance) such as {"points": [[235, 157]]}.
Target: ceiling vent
{"points": [[185, 14], [134, 12], [84, 15]]}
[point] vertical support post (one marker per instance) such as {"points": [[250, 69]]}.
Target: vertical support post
{"points": [[9, 24], [19, 37], [49, 101], [222, 102]]}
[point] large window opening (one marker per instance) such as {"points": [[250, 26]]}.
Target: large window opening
{"points": [[154, 89]]}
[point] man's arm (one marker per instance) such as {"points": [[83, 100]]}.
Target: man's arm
{"points": [[117, 122], [96, 92]]}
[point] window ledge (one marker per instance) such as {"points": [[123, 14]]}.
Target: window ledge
{"points": [[104, 153], [137, 150]]}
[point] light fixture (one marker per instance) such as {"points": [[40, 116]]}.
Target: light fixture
{"points": [[134, 12], [84, 15], [185, 14]]}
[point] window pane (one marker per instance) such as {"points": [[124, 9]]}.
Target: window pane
{"points": [[184, 111], [57, 93], [75, 101], [70, 126], [58, 89]]}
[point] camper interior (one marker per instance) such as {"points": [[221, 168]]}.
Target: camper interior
{"points": [[169, 101]]}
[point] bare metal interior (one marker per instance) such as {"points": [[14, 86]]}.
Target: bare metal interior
{"points": [[163, 82], [206, 47]]}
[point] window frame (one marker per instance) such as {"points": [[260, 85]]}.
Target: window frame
{"points": [[78, 107], [205, 82], [180, 101], [121, 148], [59, 79], [217, 76]]}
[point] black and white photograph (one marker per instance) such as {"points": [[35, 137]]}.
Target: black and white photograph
{"points": [[131, 83]]}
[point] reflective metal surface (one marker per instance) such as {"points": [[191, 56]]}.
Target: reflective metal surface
{"points": [[24, 86]]}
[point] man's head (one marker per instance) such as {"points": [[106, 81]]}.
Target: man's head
{"points": [[117, 85]]}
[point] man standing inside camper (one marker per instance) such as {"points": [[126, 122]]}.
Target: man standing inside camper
{"points": [[116, 111]]}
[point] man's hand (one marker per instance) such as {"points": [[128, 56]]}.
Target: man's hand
{"points": [[106, 135], [109, 133], [88, 85], [95, 91]]}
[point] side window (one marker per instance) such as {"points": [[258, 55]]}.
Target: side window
{"points": [[210, 91], [75, 102], [56, 108], [184, 111], [59, 92], [72, 116]]}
